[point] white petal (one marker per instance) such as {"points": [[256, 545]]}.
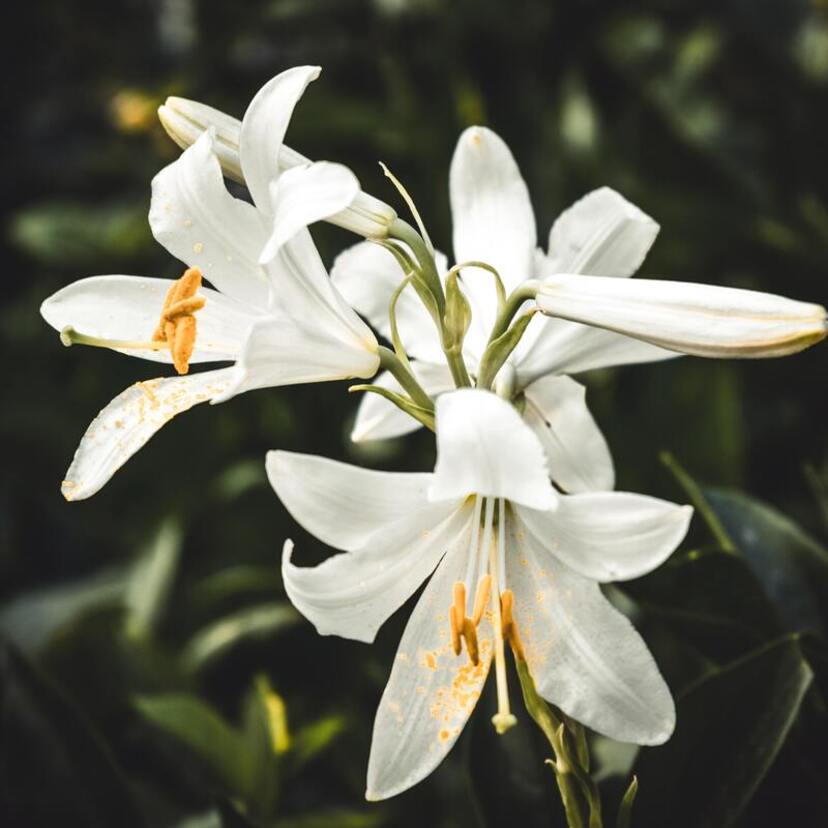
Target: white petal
{"points": [[491, 212], [579, 458], [485, 448], [354, 593], [281, 350], [128, 308], [304, 195], [340, 504], [431, 692], [610, 536], [129, 421], [602, 234], [379, 419], [194, 217], [584, 655], [367, 276], [570, 348], [705, 320], [264, 126]]}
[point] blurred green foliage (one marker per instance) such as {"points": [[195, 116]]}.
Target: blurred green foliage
{"points": [[162, 593]]}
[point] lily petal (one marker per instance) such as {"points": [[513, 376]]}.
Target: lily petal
{"points": [[263, 129], [379, 419], [194, 217], [127, 308], [705, 320], [601, 234], [367, 276], [584, 655], [341, 504], [485, 448], [579, 458], [304, 195], [431, 692], [571, 348], [126, 424], [610, 536], [354, 593]]}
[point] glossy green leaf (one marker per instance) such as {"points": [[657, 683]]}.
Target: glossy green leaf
{"points": [[730, 727]]}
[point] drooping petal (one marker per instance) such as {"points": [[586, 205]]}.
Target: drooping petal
{"points": [[340, 504], [367, 276], [560, 347], [610, 536], [194, 217], [584, 655], [263, 129], [282, 350], [485, 448], [431, 692], [705, 320], [304, 195], [579, 458], [602, 234], [127, 308], [379, 419], [129, 421], [352, 594]]}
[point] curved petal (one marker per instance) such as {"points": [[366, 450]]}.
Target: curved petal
{"points": [[194, 217], [282, 350], [263, 129], [304, 195], [129, 421], [584, 655], [705, 320], [127, 308], [354, 593], [485, 448], [367, 276], [379, 419], [340, 504], [610, 536], [602, 234], [431, 692], [579, 458], [570, 348]]}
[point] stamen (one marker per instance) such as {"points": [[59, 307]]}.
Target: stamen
{"points": [[456, 626], [481, 598], [510, 630], [177, 326]]}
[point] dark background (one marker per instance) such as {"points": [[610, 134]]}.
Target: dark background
{"points": [[712, 117]]}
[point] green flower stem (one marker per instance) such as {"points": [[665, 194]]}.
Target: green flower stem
{"points": [[527, 290], [579, 793], [403, 231], [391, 362]]}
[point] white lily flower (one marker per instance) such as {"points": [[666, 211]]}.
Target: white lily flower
{"points": [[185, 120], [274, 312], [513, 562], [494, 223]]}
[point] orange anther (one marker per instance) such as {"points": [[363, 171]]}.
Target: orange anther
{"points": [[509, 627], [481, 598], [177, 325]]}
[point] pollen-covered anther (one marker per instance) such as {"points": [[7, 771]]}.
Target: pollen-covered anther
{"points": [[464, 627], [177, 325], [508, 625]]}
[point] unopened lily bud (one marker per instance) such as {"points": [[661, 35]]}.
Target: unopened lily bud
{"points": [[185, 120], [458, 315], [704, 320]]}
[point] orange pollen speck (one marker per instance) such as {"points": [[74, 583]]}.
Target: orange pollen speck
{"points": [[177, 325]]}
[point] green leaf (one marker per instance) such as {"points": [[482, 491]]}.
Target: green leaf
{"points": [[55, 770], [334, 819], [791, 566], [251, 623], [312, 739], [193, 723], [235, 582], [731, 725]]}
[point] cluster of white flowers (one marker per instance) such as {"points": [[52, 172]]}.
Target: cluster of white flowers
{"points": [[518, 525]]}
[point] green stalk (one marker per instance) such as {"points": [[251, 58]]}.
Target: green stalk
{"points": [[391, 362]]}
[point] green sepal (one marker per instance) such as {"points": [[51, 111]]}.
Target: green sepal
{"points": [[422, 415], [625, 808]]}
